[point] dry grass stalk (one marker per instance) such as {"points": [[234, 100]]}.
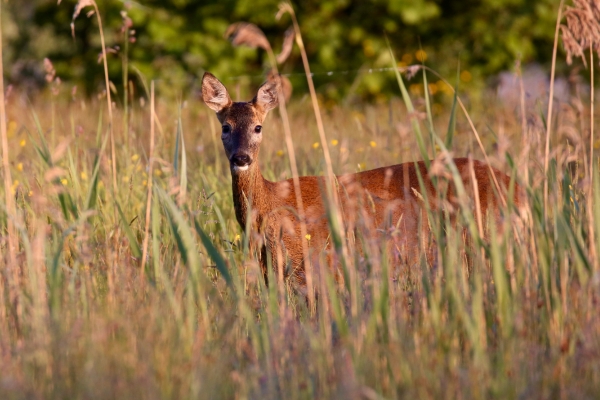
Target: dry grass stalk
{"points": [[582, 33], [10, 201], [550, 104], [150, 175], [81, 4], [524, 131], [284, 8]]}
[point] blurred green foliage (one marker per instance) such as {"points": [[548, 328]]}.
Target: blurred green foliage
{"points": [[176, 40]]}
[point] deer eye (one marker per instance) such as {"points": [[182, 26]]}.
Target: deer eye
{"points": [[258, 129], [226, 130]]}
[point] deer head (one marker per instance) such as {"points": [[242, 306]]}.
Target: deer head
{"points": [[241, 121]]}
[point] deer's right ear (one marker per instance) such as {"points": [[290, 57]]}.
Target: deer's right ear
{"points": [[214, 93]]}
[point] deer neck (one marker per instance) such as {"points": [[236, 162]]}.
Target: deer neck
{"points": [[249, 190]]}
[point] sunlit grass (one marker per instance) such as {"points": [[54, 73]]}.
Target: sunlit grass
{"points": [[79, 320]]}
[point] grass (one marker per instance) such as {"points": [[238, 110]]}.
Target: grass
{"points": [[79, 320], [82, 316]]}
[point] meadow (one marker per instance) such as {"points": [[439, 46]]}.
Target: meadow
{"points": [[115, 290]]}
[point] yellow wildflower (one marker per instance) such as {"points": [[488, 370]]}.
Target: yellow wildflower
{"points": [[23, 142], [372, 143], [334, 142], [315, 145], [20, 166], [433, 88], [135, 157], [83, 176], [307, 236]]}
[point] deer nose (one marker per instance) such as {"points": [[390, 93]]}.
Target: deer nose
{"points": [[241, 160]]}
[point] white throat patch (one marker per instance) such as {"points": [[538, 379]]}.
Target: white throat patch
{"points": [[239, 169]]}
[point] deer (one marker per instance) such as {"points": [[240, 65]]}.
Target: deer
{"points": [[371, 200]]}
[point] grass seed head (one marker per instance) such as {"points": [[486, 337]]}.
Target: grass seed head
{"points": [[247, 34], [582, 31], [286, 47]]}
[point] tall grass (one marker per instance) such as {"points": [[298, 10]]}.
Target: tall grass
{"points": [[518, 320]]}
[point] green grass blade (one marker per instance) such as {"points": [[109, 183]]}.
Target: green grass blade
{"points": [[410, 108], [181, 231], [133, 244], [429, 114], [452, 121], [92, 195], [183, 179], [177, 140], [220, 262]]}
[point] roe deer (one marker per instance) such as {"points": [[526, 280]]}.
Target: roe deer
{"points": [[369, 199]]}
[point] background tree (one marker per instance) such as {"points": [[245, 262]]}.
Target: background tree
{"points": [[176, 40]]}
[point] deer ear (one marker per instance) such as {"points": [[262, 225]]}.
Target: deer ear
{"points": [[266, 97], [214, 93]]}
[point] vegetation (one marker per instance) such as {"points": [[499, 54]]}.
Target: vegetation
{"points": [[175, 41], [82, 316]]}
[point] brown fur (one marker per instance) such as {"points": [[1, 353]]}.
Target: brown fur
{"points": [[376, 200]]}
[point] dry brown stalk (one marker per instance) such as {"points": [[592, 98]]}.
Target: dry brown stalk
{"points": [[582, 33], [550, 104], [10, 201], [149, 198], [286, 7], [81, 4]]}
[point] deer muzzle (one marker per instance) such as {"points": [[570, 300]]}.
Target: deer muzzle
{"points": [[241, 160]]}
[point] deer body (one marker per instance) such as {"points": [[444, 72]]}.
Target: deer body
{"points": [[374, 201]]}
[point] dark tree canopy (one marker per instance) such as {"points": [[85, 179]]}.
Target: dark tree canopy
{"points": [[177, 40]]}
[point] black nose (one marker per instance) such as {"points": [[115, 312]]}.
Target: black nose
{"points": [[241, 160]]}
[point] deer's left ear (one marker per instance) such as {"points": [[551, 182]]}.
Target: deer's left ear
{"points": [[266, 98], [214, 93]]}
